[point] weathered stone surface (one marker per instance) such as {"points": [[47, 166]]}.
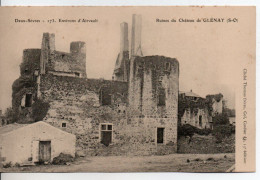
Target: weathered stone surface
{"points": [[80, 106], [199, 118], [76, 102]]}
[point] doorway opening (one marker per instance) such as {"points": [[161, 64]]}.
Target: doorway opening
{"points": [[160, 135], [28, 100], [44, 151], [200, 121]]}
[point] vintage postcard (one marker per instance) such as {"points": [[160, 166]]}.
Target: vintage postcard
{"points": [[127, 89]]}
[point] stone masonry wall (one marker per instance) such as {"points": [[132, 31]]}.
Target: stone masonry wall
{"points": [[76, 102], [31, 61], [192, 118], [26, 83], [67, 62], [148, 77], [52, 60]]}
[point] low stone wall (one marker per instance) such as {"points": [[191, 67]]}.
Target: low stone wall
{"points": [[205, 145]]}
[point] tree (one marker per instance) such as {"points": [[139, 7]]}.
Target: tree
{"points": [[220, 119], [39, 110], [10, 115]]}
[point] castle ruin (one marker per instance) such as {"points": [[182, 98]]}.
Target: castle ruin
{"points": [[134, 113]]}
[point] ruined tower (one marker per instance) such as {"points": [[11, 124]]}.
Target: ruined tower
{"points": [[153, 90], [78, 58], [78, 47], [154, 86], [121, 71], [153, 80], [62, 63], [136, 48], [47, 48]]}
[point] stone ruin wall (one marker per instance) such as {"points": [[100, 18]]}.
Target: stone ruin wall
{"points": [[30, 61], [217, 106], [46, 59], [76, 102], [135, 117], [67, 64], [147, 76], [26, 82], [192, 118]]}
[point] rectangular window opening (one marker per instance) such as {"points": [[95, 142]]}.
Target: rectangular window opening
{"points": [[105, 97], [106, 134], [28, 100], [109, 127], [200, 121], [161, 97], [103, 127], [167, 66], [160, 135], [64, 125]]}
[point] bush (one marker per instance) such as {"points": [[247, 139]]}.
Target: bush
{"points": [[197, 159], [220, 119], [39, 110], [7, 165], [186, 130], [62, 159], [17, 165], [203, 131], [189, 130], [210, 159], [10, 116], [222, 131]]}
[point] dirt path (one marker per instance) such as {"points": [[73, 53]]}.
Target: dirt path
{"points": [[167, 163]]}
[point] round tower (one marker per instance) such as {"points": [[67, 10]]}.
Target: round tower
{"points": [[31, 61], [78, 47], [154, 86]]}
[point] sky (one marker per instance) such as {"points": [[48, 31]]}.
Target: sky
{"points": [[207, 52]]}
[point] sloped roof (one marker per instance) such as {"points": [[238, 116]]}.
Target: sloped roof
{"points": [[190, 94], [11, 127]]}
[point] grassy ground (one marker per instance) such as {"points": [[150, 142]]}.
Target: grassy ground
{"points": [[166, 163]]}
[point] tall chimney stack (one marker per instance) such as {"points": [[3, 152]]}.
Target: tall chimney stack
{"points": [[121, 70], [136, 48], [48, 47], [124, 44]]}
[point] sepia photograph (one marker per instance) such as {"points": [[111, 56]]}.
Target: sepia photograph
{"points": [[127, 89]]}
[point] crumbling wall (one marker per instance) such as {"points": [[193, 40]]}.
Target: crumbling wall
{"points": [[193, 116], [216, 103], [217, 106], [77, 106], [68, 64], [30, 62], [26, 83], [76, 102], [62, 63], [149, 76]]}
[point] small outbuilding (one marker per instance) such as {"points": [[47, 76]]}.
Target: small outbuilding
{"points": [[28, 144]]}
